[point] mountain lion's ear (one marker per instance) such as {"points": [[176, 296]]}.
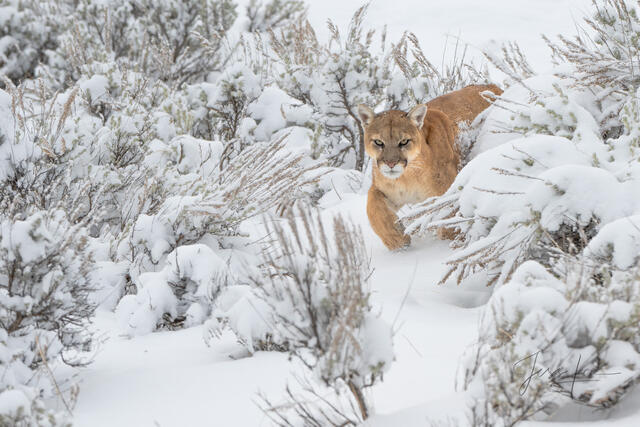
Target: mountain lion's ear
{"points": [[365, 114], [416, 115]]}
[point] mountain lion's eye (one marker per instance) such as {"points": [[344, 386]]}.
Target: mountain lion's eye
{"points": [[378, 143], [404, 142]]}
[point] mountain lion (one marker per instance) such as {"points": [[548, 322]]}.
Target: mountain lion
{"points": [[415, 154]]}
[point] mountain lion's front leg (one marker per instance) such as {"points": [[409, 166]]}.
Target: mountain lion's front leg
{"points": [[384, 221]]}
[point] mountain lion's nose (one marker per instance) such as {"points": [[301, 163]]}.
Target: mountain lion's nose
{"points": [[391, 164]]}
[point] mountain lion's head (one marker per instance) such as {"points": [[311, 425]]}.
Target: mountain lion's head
{"points": [[393, 138]]}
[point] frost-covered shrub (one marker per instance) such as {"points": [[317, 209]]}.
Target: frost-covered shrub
{"points": [[241, 109], [44, 312], [333, 79], [97, 32], [420, 80], [602, 58], [87, 143], [85, 151], [207, 205], [187, 38], [311, 299], [46, 259], [33, 155], [171, 40], [546, 211], [617, 245], [565, 338], [46, 256], [24, 408], [219, 110], [28, 32], [120, 118], [45, 265], [181, 294], [264, 16], [605, 54], [522, 194]]}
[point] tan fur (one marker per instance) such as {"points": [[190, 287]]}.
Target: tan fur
{"points": [[465, 104], [430, 157]]}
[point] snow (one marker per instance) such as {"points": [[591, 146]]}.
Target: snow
{"points": [[109, 280], [12, 400], [195, 265], [21, 240], [169, 375], [618, 242], [97, 87], [244, 313], [596, 194], [272, 99], [173, 379]]}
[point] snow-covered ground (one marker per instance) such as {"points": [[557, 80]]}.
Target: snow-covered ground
{"points": [[173, 379]]}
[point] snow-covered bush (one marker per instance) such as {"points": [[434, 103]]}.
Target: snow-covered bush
{"points": [[605, 53], [86, 151], [570, 317], [46, 256], [187, 38], [545, 212], [220, 110], [119, 117], [420, 80], [45, 307], [173, 41], [180, 294], [28, 33], [566, 338], [207, 204], [311, 298], [266, 16], [554, 191], [333, 79], [24, 408], [602, 58], [116, 143], [242, 108], [520, 195], [46, 262]]}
